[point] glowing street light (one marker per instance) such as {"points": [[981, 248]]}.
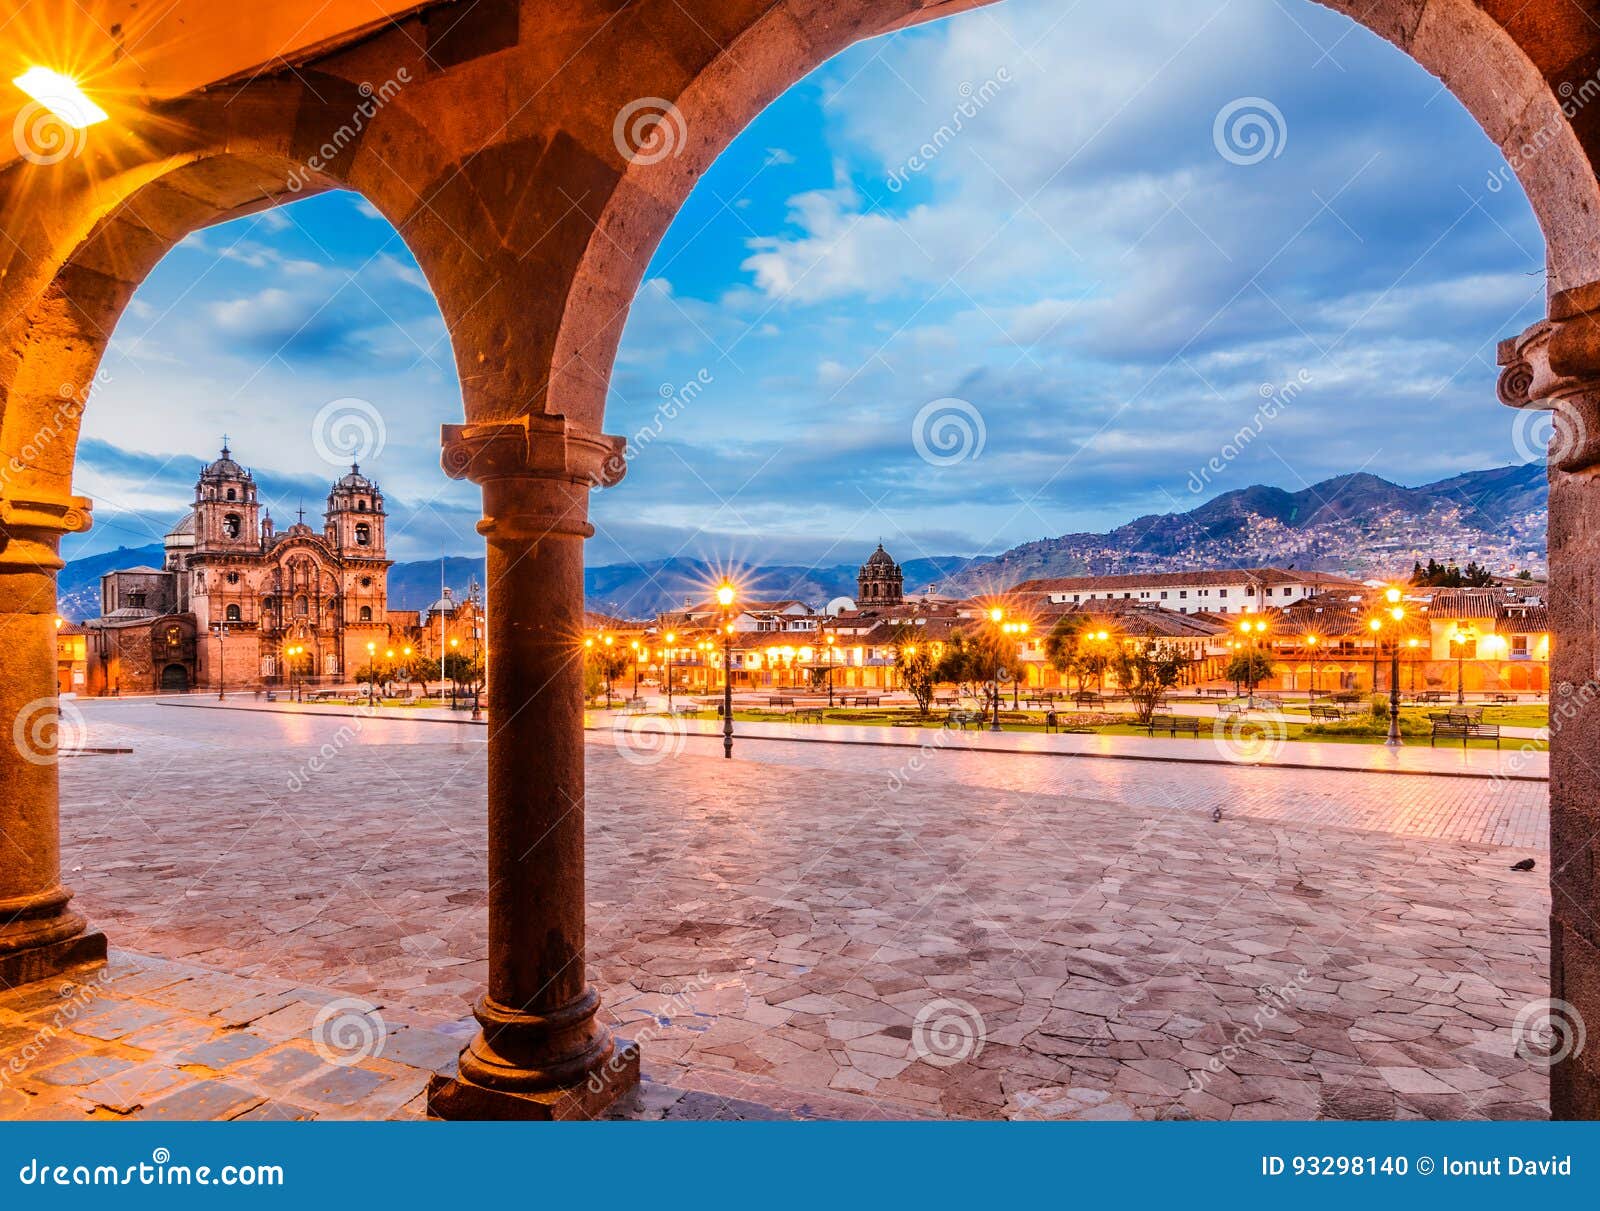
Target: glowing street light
{"points": [[61, 95], [672, 639], [726, 595]]}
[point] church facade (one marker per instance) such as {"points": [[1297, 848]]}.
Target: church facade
{"points": [[235, 597]]}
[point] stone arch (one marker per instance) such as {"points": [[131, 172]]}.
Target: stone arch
{"points": [[120, 208], [1518, 103]]}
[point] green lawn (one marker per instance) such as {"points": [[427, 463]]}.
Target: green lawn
{"points": [[1416, 728]]}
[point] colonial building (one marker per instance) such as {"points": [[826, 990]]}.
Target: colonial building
{"points": [[234, 596]]}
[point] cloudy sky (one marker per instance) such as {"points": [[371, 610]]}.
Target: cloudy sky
{"points": [[1014, 274]]}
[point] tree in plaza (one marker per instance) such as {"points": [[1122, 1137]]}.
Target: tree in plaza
{"points": [[1249, 667], [918, 667], [608, 662], [1146, 671], [970, 657], [1071, 649]]}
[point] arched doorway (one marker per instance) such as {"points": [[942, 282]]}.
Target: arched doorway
{"points": [[174, 679]]}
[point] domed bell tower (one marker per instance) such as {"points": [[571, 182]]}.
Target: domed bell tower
{"points": [[355, 516], [226, 512]]}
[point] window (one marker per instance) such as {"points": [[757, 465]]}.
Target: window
{"points": [[363, 534], [233, 578], [361, 506], [301, 606], [1182, 593], [366, 582], [136, 600], [174, 637], [232, 495], [1163, 594], [366, 613], [233, 614], [232, 525], [1222, 592]]}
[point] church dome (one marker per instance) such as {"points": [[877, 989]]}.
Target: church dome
{"points": [[224, 467], [354, 481], [879, 559]]}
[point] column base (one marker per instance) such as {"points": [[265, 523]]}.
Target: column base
{"points": [[458, 1097], [52, 959]]}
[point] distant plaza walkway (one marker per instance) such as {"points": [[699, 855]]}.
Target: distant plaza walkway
{"points": [[823, 929]]}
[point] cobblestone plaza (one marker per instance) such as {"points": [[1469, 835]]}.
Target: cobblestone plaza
{"points": [[1003, 935]]}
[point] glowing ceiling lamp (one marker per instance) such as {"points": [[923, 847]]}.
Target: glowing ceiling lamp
{"points": [[61, 96]]}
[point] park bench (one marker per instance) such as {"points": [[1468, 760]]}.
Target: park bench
{"points": [[1270, 701], [807, 714], [1173, 724], [962, 719], [1504, 698], [1043, 704], [779, 700], [862, 700], [1207, 691], [1321, 710], [1087, 699], [1233, 708], [1431, 696], [1452, 729]]}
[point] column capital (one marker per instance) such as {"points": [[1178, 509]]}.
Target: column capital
{"points": [[32, 523], [1555, 366], [535, 470]]}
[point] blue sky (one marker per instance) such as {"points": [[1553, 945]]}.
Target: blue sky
{"points": [[1105, 282]]}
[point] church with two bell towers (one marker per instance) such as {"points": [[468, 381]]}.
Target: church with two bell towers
{"points": [[240, 602]]}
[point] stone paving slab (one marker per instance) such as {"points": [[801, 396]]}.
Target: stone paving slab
{"points": [[999, 936]]}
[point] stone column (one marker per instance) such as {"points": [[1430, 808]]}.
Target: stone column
{"points": [[542, 1052], [39, 936], [1555, 365]]}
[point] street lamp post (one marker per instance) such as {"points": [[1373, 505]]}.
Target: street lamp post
{"points": [[636, 659], [996, 616], [725, 598], [1458, 640], [1251, 631], [372, 674], [1311, 645], [1397, 615], [455, 643], [222, 636], [672, 640], [609, 642], [830, 670]]}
